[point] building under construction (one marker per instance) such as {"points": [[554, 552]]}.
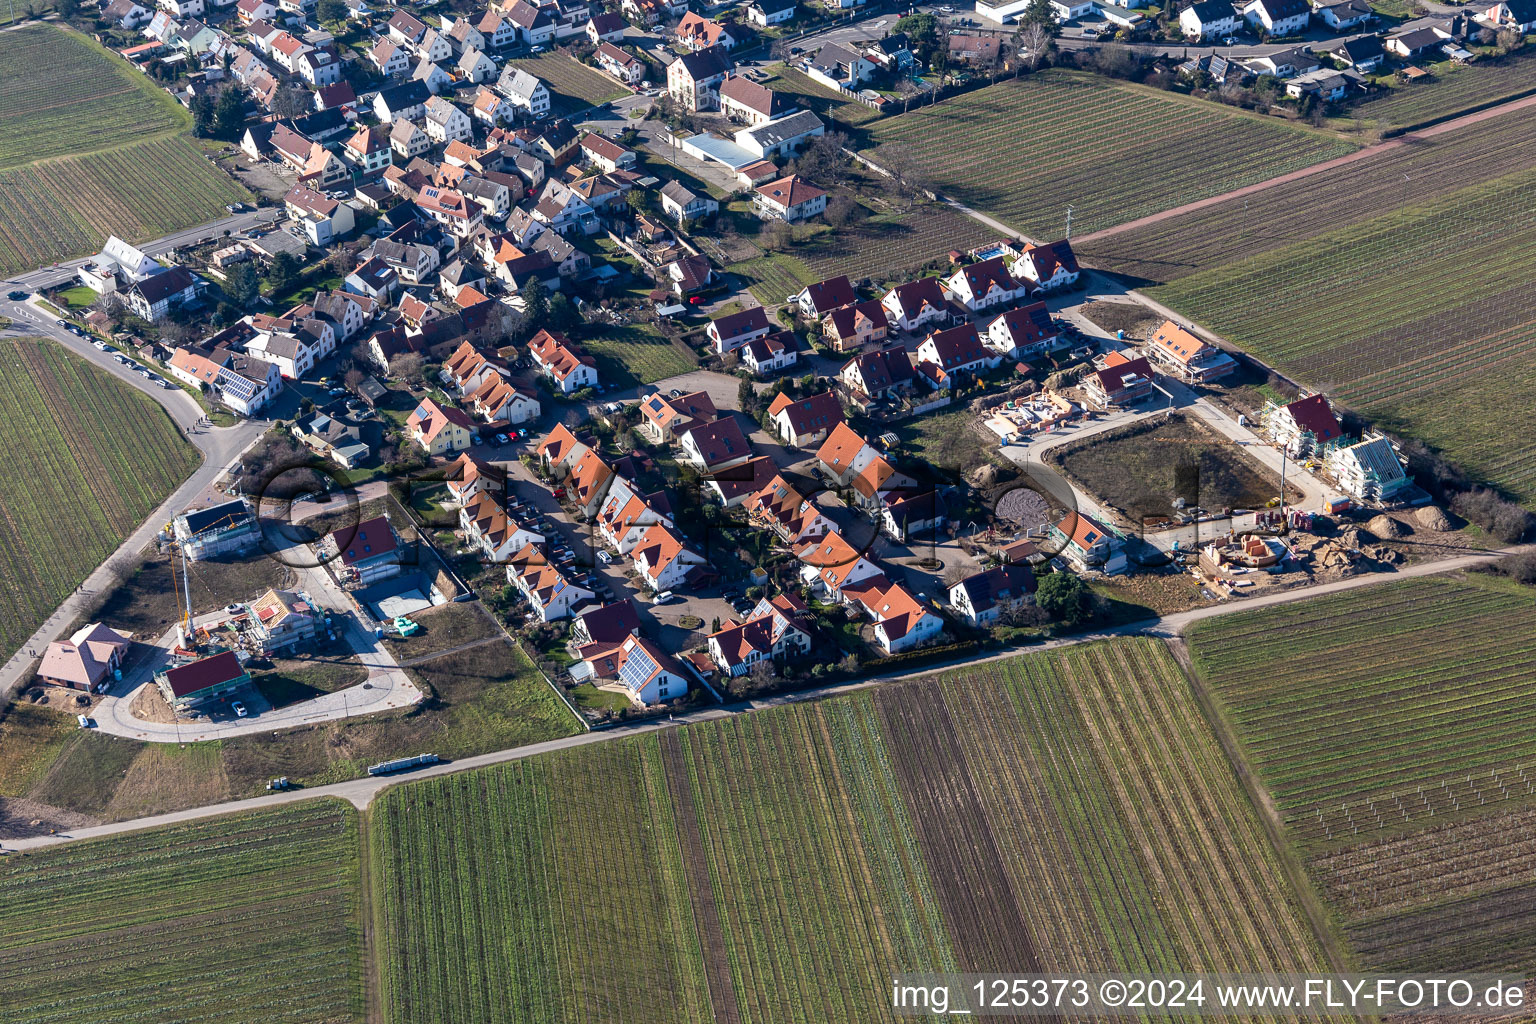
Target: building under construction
{"points": [[230, 528]]}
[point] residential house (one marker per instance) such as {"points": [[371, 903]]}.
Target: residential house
{"points": [[664, 418], [1046, 267], [697, 32], [492, 109], [608, 625], [1306, 426], [805, 421], [229, 528], [606, 27], [497, 31], [319, 68], [91, 656], [902, 621], [893, 53], [440, 430], [689, 274], [405, 28], [407, 141], [693, 80], [488, 528], [683, 204], [129, 15], [733, 330], [1187, 356], [882, 374], [242, 383], [983, 285], [1086, 544], [817, 300], [852, 328], [1368, 470], [746, 102], [323, 219], [551, 594], [372, 279], [474, 66], [1209, 19], [792, 517], [1284, 63], [1121, 380], [906, 514], [772, 353], [734, 486], [844, 455], [432, 75], [605, 154], [975, 49], [434, 47], [948, 356], [715, 446], [564, 362], [1278, 17], [368, 150], [498, 401], [664, 562], [406, 102], [626, 514], [524, 91], [789, 199], [1325, 84], [774, 634], [647, 674], [390, 57], [840, 67], [445, 122], [366, 552], [154, 297], [1021, 332], [621, 65], [1414, 43], [984, 598], [1343, 15], [534, 25], [1519, 15], [332, 438], [830, 564], [763, 13], [916, 304], [192, 683], [1363, 53]]}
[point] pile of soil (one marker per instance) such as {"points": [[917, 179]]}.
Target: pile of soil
{"points": [[1386, 527], [1433, 517], [1024, 505]]}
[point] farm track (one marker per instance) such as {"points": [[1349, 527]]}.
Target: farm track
{"points": [[706, 916]]}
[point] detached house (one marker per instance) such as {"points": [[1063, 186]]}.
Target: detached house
{"points": [[773, 631], [1087, 544], [871, 376], [1278, 17], [716, 446], [524, 91], [805, 421], [549, 592], [626, 514], [87, 660], [682, 204], [154, 297], [832, 567], [902, 620], [946, 355], [565, 363], [746, 102], [621, 65], [1368, 470], [1306, 426], [693, 80], [851, 328], [1046, 267], [1021, 332], [817, 300], [647, 674], [915, 304], [730, 332], [664, 562], [665, 419], [1188, 356], [984, 598], [1121, 380], [789, 199], [440, 430], [1209, 19], [697, 32], [983, 285]]}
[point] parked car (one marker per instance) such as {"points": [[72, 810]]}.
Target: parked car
{"points": [[665, 597], [86, 722], [234, 608], [475, 439], [62, 323], [605, 557], [239, 709], [502, 439], [1090, 33], [19, 296], [100, 344], [674, 393]]}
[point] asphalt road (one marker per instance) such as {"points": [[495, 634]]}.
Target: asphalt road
{"points": [[361, 792]]}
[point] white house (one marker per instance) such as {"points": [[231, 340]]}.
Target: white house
{"points": [[1368, 470], [1209, 19], [772, 631], [982, 599], [730, 332], [789, 199], [983, 285], [916, 304], [1278, 17], [1021, 332], [663, 561], [524, 91]]}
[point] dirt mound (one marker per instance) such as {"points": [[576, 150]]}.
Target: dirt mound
{"points": [[1023, 505], [1385, 527], [1433, 517]]}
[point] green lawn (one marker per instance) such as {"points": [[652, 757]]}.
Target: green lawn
{"points": [[572, 85], [636, 354]]}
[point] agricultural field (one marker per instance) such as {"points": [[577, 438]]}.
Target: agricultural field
{"points": [[118, 160], [231, 919], [1356, 302], [1391, 727], [780, 866], [814, 96], [774, 275], [637, 353], [89, 100], [573, 86], [1071, 124], [88, 457], [1452, 89]]}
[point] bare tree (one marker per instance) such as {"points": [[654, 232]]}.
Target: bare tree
{"points": [[407, 366], [293, 102], [906, 175], [840, 210], [1034, 41], [823, 162], [110, 304]]}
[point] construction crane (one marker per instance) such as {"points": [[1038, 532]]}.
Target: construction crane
{"points": [[184, 606]]}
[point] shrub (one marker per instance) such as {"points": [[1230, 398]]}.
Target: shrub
{"points": [[1505, 520], [1064, 597], [1521, 568]]}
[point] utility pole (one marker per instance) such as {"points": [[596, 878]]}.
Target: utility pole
{"points": [[1069, 223]]}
